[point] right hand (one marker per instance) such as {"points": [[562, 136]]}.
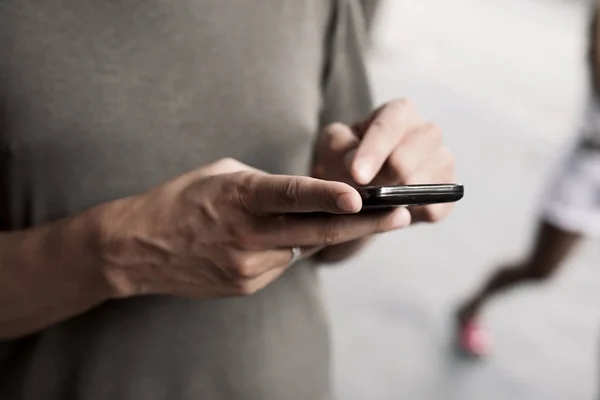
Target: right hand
{"points": [[226, 230]]}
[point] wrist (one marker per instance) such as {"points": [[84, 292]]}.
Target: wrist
{"points": [[111, 246], [81, 237], [59, 254]]}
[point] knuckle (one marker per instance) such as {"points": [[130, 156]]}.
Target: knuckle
{"points": [[245, 267], [233, 191], [244, 237], [226, 161], [225, 165], [239, 190], [324, 199], [334, 128], [246, 179], [401, 104], [290, 193], [434, 132], [187, 226], [331, 233], [398, 166], [328, 139]]}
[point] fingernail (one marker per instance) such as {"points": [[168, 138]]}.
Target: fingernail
{"points": [[401, 218], [346, 203]]}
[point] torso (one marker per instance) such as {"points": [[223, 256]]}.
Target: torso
{"points": [[103, 99]]}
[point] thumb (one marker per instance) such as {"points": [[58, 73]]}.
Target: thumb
{"points": [[335, 141], [338, 139]]}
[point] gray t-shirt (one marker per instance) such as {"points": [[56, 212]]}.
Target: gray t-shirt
{"points": [[102, 99]]}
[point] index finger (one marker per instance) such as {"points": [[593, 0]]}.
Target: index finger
{"points": [[383, 133], [279, 194]]}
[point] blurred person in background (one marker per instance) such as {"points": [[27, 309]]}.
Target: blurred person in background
{"points": [[570, 211], [151, 162]]}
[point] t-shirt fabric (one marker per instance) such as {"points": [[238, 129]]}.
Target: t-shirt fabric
{"points": [[104, 99]]}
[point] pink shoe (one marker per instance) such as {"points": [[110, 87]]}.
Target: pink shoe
{"points": [[472, 339]]}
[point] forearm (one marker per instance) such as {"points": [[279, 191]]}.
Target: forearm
{"points": [[48, 274]]}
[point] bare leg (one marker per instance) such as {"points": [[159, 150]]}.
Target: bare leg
{"points": [[552, 246]]}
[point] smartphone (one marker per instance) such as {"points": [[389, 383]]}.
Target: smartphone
{"points": [[382, 197]]}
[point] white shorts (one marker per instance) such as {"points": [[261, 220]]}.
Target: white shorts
{"points": [[572, 199]]}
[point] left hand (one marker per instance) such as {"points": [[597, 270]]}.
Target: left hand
{"points": [[392, 146]]}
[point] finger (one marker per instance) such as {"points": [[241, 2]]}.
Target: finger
{"points": [[439, 170], [278, 194], [251, 264], [431, 213], [340, 138], [336, 141], [412, 153], [382, 136], [252, 286], [323, 230]]}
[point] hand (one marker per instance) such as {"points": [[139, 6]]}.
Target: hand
{"points": [[393, 146], [225, 230]]}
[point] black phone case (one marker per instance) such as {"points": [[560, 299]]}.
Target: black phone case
{"points": [[381, 197]]}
